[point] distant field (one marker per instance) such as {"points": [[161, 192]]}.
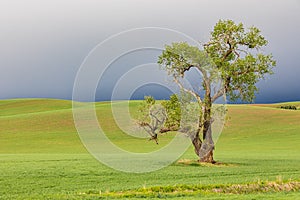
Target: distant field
{"points": [[278, 105], [42, 157]]}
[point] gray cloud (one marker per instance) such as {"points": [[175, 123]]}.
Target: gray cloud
{"points": [[43, 43]]}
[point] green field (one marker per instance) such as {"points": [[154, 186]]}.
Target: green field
{"points": [[42, 157]]}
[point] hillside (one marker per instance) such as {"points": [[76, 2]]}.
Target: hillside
{"points": [[41, 155]]}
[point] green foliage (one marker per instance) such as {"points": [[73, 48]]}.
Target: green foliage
{"points": [[144, 108], [181, 111], [178, 58], [230, 48], [233, 53], [149, 100], [173, 110]]}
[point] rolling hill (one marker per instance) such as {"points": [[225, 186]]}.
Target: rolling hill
{"points": [[41, 155]]}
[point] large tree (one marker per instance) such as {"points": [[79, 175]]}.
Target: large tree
{"points": [[233, 54]]}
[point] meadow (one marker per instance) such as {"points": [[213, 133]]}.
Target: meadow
{"points": [[42, 157]]}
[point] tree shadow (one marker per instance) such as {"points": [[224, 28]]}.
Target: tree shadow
{"points": [[196, 163]]}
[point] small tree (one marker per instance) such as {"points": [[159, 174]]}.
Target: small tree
{"points": [[233, 54], [152, 117], [173, 111]]}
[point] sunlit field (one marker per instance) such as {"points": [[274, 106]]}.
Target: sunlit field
{"points": [[42, 157]]}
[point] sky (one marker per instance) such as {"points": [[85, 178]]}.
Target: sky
{"points": [[45, 45]]}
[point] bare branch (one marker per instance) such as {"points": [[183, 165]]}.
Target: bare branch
{"points": [[218, 94], [157, 119], [187, 90], [150, 130], [229, 51]]}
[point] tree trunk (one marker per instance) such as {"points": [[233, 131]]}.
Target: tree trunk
{"points": [[207, 147], [197, 144], [204, 149]]}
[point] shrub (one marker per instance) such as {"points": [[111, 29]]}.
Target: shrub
{"points": [[289, 107]]}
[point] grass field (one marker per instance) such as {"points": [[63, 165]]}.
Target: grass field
{"points": [[42, 157]]}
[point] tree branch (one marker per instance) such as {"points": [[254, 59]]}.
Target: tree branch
{"points": [[218, 94], [150, 131], [187, 90]]}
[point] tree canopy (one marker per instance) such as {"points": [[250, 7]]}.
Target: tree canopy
{"points": [[233, 52], [231, 63]]}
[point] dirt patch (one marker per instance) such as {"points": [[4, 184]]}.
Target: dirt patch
{"points": [[203, 164]]}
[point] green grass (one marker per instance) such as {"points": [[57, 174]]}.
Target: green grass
{"points": [[278, 105], [42, 157]]}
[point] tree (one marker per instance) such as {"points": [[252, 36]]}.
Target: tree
{"points": [[152, 117], [233, 53], [173, 114]]}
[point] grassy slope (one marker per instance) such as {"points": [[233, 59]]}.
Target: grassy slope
{"points": [[278, 105], [42, 156]]}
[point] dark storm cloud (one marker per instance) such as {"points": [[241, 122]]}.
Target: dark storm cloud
{"points": [[43, 43]]}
